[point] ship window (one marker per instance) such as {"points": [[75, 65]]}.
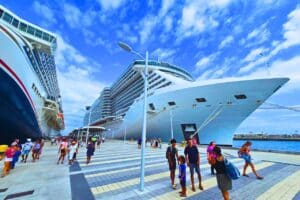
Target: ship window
{"points": [[7, 17], [30, 30], [46, 36], [151, 106], [200, 100], [15, 23], [23, 26], [1, 12], [240, 96], [171, 103], [38, 33]]}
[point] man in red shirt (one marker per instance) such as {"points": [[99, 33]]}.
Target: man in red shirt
{"points": [[9, 153]]}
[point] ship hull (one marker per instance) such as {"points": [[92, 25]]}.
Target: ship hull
{"points": [[21, 92], [213, 120]]}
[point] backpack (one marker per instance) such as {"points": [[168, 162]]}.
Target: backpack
{"points": [[232, 171]]}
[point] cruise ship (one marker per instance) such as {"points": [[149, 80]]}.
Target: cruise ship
{"points": [[209, 110], [30, 101]]}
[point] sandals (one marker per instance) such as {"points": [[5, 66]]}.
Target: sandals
{"points": [[246, 175], [260, 177], [201, 187]]}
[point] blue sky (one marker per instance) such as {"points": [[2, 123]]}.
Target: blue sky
{"points": [[210, 39]]}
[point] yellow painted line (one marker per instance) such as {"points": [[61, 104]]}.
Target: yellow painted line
{"points": [[285, 189], [119, 160], [123, 170], [207, 184], [134, 181]]}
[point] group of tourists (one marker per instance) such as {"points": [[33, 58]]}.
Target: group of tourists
{"points": [[220, 166], [70, 148], [12, 153]]}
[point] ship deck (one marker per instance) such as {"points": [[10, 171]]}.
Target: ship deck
{"points": [[114, 174]]}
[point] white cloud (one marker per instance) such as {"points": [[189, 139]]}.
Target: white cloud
{"points": [[73, 15], [164, 54], [291, 32], [166, 5], [146, 27], [111, 4], [226, 42], [149, 22], [206, 75], [77, 84], [195, 20], [168, 23], [292, 29], [254, 54], [283, 68], [44, 11], [75, 18], [205, 62], [257, 36]]}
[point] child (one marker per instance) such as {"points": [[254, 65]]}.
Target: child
{"points": [[182, 176]]}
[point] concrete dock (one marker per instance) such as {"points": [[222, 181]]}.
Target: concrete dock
{"points": [[114, 174]]}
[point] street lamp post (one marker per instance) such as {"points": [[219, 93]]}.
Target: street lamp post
{"points": [[125, 131], [88, 128], [145, 77], [171, 123]]}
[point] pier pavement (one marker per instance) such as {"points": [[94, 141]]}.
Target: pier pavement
{"points": [[115, 168]]}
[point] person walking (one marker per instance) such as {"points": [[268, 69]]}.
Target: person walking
{"points": [[72, 152], [90, 151], [26, 150], [211, 156], [139, 142], [62, 150], [192, 158], [223, 179], [42, 143], [244, 152], [182, 176], [9, 153], [172, 156], [17, 153], [36, 149]]}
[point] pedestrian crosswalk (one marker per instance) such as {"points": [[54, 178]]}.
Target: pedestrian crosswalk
{"points": [[114, 173]]}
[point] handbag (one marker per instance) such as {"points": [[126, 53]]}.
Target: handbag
{"points": [[232, 171]]}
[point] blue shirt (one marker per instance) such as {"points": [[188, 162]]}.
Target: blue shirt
{"points": [[182, 171]]}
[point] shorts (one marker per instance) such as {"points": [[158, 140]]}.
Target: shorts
{"points": [[193, 167], [74, 156], [172, 167], [35, 151], [25, 152], [63, 152], [224, 182], [247, 158]]}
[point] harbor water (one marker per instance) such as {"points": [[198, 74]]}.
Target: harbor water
{"points": [[271, 145]]}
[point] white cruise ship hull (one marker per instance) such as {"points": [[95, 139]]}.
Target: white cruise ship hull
{"points": [[213, 120], [22, 95]]}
